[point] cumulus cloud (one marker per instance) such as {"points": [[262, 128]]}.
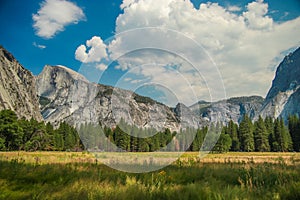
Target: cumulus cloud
{"points": [[54, 15], [234, 8], [93, 51], [243, 45], [256, 16], [174, 44]]}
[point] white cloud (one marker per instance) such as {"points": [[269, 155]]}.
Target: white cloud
{"points": [[243, 45], [101, 67], [126, 3], [234, 8], [38, 45], [54, 15], [256, 15], [96, 51]]}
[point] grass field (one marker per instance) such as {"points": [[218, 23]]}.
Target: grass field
{"points": [[69, 175]]}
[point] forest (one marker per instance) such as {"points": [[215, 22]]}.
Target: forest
{"points": [[263, 135]]}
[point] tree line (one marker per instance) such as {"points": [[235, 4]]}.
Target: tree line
{"points": [[31, 135], [263, 135]]}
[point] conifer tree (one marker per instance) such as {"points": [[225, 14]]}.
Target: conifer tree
{"points": [[261, 136], [269, 123], [232, 131], [246, 134], [294, 129], [282, 140]]}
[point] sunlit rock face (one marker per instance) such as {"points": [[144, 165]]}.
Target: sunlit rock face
{"points": [[283, 98], [67, 96], [17, 88]]}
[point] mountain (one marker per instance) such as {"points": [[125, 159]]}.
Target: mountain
{"points": [[17, 88], [283, 97], [67, 96], [231, 109]]}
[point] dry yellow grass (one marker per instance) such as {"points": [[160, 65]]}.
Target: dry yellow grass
{"points": [[85, 157], [248, 157]]}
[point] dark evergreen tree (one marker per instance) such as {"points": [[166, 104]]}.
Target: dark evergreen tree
{"points": [[122, 139], [246, 134], [10, 131], [232, 131], [269, 123], [294, 129], [261, 136], [282, 140], [143, 145], [224, 143]]}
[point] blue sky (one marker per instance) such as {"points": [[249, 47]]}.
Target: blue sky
{"points": [[262, 32]]}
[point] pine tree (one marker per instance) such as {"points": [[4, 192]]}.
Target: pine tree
{"points": [[134, 139], [294, 128], [50, 132], [261, 136], [246, 134], [122, 139], [232, 130], [58, 141], [143, 145], [10, 130], [269, 123], [198, 140], [282, 140], [224, 143]]}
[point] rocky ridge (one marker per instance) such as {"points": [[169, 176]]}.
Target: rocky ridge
{"points": [[231, 109], [17, 88], [283, 98], [67, 96]]}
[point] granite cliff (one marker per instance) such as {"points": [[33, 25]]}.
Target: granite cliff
{"points": [[283, 98], [67, 96], [17, 88]]}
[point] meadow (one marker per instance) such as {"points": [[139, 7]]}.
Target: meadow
{"points": [[79, 175]]}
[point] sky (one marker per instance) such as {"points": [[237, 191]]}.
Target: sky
{"points": [[171, 50]]}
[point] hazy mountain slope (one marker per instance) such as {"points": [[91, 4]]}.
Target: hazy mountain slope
{"points": [[225, 110]]}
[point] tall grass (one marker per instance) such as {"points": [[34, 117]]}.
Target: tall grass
{"points": [[187, 179]]}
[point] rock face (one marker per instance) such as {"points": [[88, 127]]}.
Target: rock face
{"points": [[17, 88], [283, 98], [231, 109], [67, 96]]}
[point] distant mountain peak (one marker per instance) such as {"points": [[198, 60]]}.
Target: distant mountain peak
{"points": [[75, 75]]}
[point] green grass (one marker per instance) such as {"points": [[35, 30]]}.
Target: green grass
{"points": [[41, 175]]}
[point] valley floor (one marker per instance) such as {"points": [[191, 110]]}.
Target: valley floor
{"points": [[79, 175]]}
